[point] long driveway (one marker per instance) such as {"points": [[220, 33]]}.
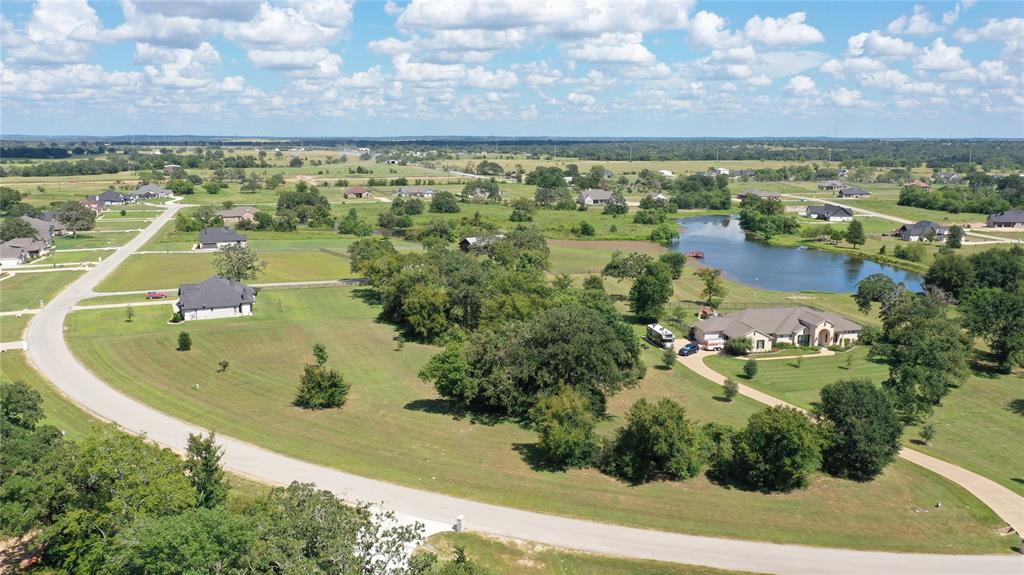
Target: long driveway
{"points": [[1005, 503], [51, 355]]}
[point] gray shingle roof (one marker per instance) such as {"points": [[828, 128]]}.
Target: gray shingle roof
{"points": [[237, 211], [44, 229], [758, 193], [853, 192], [594, 194], [219, 235], [830, 211], [152, 190], [214, 292], [774, 321], [110, 196], [1007, 217], [922, 228]]}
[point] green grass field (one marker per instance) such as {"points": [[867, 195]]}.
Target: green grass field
{"points": [[61, 413], [12, 328], [395, 428], [165, 271], [978, 425], [65, 257], [93, 240], [521, 558], [24, 290]]}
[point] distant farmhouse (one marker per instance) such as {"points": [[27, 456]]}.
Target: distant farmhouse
{"points": [[93, 204], [593, 197], [853, 193], [918, 184], [831, 185], [215, 297], [216, 238], [830, 213], [475, 242], [768, 327], [1007, 219], [657, 196], [922, 230], [758, 193], [358, 193], [232, 216], [948, 178], [667, 173], [151, 191], [425, 192]]}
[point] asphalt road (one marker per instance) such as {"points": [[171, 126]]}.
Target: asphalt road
{"points": [[51, 355]]}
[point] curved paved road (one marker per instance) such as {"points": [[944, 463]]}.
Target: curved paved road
{"points": [[1006, 504], [50, 353]]}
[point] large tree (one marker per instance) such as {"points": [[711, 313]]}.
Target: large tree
{"points": [[778, 450], [855, 233], [997, 315], [861, 428], [238, 263], [13, 227], [202, 462], [650, 292], [76, 217], [658, 441], [565, 425], [714, 289]]}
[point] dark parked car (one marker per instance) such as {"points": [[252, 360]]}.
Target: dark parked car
{"points": [[689, 349]]}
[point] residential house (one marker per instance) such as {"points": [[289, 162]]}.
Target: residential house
{"points": [[94, 205], [45, 230], [425, 192], [232, 216], [657, 196], [171, 168], [479, 194], [853, 193], [759, 193], [843, 172], [358, 193], [594, 197], [476, 242], [831, 185], [830, 213], [12, 255], [152, 191], [918, 184], [20, 250], [215, 297], [720, 171], [768, 327], [922, 230], [740, 174], [948, 178], [112, 198], [216, 238], [667, 173], [1007, 219]]}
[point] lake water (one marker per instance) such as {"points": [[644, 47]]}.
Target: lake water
{"points": [[758, 264]]}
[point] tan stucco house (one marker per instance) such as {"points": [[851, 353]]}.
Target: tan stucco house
{"points": [[767, 327]]}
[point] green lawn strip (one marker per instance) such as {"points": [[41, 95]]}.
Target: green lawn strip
{"points": [[132, 212], [24, 290], [94, 240], [66, 257], [979, 424], [511, 557], [114, 224], [394, 428], [165, 271], [587, 257], [12, 328], [127, 298], [891, 208]]}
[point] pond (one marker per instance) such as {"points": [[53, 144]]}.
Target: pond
{"points": [[779, 268]]}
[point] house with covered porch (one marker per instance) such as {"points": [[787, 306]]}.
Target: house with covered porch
{"points": [[768, 327]]}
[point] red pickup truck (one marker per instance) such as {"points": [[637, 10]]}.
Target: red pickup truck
{"points": [[155, 295]]}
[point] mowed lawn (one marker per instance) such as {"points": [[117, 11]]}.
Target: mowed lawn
{"points": [[12, 328], [395, 428], [524, 558], [978, 425], [60, 413], [94, 240], [24, 290], [165, 271]]}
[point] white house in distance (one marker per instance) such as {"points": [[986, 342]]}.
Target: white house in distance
{"points": [[592, 197], [767, 327], [830, 213], [216, 238], [232, 216], [215, 297], [667, 173]]}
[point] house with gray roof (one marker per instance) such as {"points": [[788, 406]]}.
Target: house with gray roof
{"points": [[476, 242], [830, 213], [216, 238], [764, 195], [922, 230], [152, 191], [425, 192], [45, 230], [831, 185], [215, 297], [1007, 219], [593, 197], [768, 327], [112, 198], [853, 193], [20, 250]]}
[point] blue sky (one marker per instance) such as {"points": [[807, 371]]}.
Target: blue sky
{"points": [[512, 68]]}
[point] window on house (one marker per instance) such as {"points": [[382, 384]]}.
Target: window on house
{"points": [[760, 344]]}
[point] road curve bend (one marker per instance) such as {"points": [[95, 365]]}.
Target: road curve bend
{"points": [[51, 355]]}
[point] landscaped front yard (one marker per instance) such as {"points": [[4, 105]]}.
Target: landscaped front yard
{"points": [[395, 428]]}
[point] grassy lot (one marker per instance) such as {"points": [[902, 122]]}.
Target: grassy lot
{"points": [[65, 257], [24, 290], [87, 240], [164, 271], [12, 328], [586, 257], [979, 425], [113, 225], [512, 557], [395, 428], [127, 298]]}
